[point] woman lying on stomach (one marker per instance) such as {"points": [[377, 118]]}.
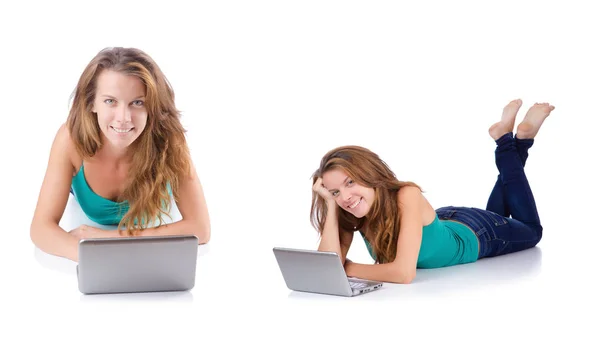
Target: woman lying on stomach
{"points": [[123, 154], [354, 190]]}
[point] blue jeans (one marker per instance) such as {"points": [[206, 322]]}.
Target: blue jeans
{"points": [[510, 222]]}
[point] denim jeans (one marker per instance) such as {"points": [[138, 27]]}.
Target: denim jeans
{"points": [[510, 222]]}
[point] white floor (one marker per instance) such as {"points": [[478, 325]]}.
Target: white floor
{"points": [[239, 293], [266, 88]]}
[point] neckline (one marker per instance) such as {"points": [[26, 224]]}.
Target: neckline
{"points": [[82, 173]]}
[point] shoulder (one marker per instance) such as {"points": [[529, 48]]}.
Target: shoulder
{"points": [[411, 200], [409, 194], [63, 136], [65, 144]]}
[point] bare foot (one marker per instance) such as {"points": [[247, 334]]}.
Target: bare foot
{"points": [[529, 127], [507, 121]]}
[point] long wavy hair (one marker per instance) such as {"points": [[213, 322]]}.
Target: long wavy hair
{"points": [[160, 155], [383, 219]]}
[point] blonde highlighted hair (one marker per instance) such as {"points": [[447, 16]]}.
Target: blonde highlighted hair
{"points": [[160, 155]]}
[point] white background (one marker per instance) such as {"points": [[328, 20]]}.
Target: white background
{"points": [[265, 89]]}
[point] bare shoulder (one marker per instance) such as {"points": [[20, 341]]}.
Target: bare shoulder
{"points": [[411, 198], [64, 145], [54, 191], [410, 195], [63, 137]]}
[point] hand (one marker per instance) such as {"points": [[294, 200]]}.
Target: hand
{"points": [[320, 189], [88, 232]]}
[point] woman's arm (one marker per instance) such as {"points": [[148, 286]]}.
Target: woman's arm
{"points": [[45, 232], [194, 212], [404, 267], [333, 239]]}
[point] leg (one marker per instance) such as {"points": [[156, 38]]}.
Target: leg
{"points": [[524, 229], [517, 193], [497, 200], [498, 234], [524, 140]]}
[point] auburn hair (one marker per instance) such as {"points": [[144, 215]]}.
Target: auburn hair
{"points": [[383, 219]]}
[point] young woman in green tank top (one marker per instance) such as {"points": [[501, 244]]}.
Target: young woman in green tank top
{"points": [[354, 190], [123, 154]]}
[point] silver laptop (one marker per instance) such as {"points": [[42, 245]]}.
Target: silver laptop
{"points": [[319, 272], [137, 264]]}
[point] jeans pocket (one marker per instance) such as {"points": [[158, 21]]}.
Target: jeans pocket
{"points": [[445, 213], [490, 217], [499, 247]]}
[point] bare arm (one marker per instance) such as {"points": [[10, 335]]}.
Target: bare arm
{"points": [[404, 267], [192, 206], [333, 239], [45, 232]]}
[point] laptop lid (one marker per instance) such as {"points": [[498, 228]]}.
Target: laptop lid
{"points": [[312, 271], [137, 264]]}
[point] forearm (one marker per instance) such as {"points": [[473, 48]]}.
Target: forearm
{"points": [[330, 237], [52, 239], [389, 273], [182, 227]]}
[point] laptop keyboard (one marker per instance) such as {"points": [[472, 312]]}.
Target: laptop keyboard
{"points": [[357, 285]]}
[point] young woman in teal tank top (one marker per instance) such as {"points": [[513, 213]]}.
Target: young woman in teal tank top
{"points": [[123, 155], [354, 190]]}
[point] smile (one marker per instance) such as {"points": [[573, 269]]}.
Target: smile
{"points": [[353, 205], [122, 130]]}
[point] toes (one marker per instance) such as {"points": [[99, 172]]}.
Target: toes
{"points": [[518, 102]]}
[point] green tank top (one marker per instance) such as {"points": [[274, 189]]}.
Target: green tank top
{"points": [[444, 243], [97, 208]]}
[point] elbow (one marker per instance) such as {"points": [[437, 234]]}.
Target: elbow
{"points": [[32, 236], [196, 226], [407, 278], [404, 276], [203, 234], [203, 239], [33, 233]]}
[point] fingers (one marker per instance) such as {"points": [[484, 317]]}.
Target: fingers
{"points": [[318, 184], [81, 231], [76, 233]]}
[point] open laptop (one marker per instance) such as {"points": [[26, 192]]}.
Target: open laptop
{"points": [[319, 272], [137, 264]]}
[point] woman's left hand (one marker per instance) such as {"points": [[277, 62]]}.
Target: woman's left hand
{"points": [[88, 232]]}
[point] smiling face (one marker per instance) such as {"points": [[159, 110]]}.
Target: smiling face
{"points": [[119, 105], [348, 194]]}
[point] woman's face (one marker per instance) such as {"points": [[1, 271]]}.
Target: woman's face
{"points": [[349, 195], [120, 107]]}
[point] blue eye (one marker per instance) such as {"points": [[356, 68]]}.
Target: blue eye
{"points": [[109, 101], [350, 182], [335, 193], [138, 103]]}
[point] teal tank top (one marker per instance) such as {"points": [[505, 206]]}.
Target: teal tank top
{"points": [[444, 243], [95, 207]]}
